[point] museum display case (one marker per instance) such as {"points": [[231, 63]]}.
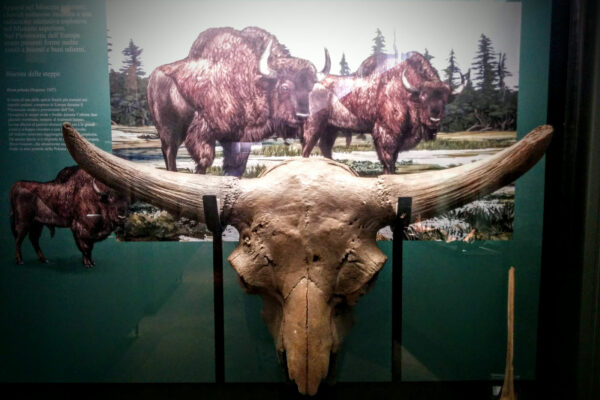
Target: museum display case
{"points": [[368, 199]]}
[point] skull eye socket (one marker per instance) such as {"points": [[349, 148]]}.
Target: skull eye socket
{"points": [[355, 275]]}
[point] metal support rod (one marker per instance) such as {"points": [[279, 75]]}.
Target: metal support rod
{"points": [[213, 222], [400, 224]]}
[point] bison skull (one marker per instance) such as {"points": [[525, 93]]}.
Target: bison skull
{"points": [[307, 230]]}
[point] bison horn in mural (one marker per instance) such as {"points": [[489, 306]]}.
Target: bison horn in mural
{"points": [[307, 231], [407, 85], [264, 63], [326, 68]]}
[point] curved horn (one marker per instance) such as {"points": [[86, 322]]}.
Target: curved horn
{"points": [[439, 191], [180, 194], [263, 65], [325, 71], [461, 87], [97, 189], [407, 85]]}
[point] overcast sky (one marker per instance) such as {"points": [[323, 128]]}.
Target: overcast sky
{"points": [[165, 30]]}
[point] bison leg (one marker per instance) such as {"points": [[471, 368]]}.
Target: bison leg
{"points": [[200, 144], [19, 237], [171, 115], [169, 151], [387, 148], [313, 130], [85, 246], [327, 141], [34, 237], [235, 157]]}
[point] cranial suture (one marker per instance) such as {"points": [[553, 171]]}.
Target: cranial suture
{"points": [[307, 230]]}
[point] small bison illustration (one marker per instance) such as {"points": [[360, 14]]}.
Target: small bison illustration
{"points": [[72, 200]]}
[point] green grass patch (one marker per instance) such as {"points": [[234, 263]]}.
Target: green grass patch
{"points": [[369, 168], [278, 150], [250, 172], [295, 150], [443, 144], [353, 147]]}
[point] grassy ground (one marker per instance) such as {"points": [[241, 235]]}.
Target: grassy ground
{"points": [[360, 142], [444, 141], [148, 130]]}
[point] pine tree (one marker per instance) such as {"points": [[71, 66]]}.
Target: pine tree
{"points": [[379, 40], [132, 60], [131, 103], [427, 56], [344, 68], [451, 70], [108, 46], [502, 73], [485, 66]]}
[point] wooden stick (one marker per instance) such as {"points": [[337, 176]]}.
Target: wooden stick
{"points": [[508, 388]]}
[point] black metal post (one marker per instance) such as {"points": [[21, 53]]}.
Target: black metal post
{"points": [[213, 222], [400, 224]]}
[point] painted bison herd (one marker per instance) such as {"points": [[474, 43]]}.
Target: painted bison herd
{"points": [[244, 86], [238, 87]]}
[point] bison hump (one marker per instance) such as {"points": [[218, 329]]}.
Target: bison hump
{"points": [[208, 43], [191, 77], [204, 42]]}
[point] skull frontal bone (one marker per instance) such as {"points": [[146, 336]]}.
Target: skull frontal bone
{"points": [[309, 255]]}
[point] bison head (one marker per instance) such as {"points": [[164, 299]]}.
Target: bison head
{"points": [[429, 93], [114, 204], [307, 231], [292, 80]]}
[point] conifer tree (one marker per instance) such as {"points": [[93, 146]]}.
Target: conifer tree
{"points": [[451, 70], [132, 60], [485, 66], [427, 56], [129, 101], [502, 72], [344, 68], [379, 40], [108, 46]]}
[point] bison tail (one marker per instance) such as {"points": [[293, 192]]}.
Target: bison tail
{"points": [[51, 229]]}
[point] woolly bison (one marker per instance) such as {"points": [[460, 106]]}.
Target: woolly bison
{"points": [[234, 86], [400, 106], [72, 200]]}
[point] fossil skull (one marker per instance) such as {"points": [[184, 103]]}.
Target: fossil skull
{"points": [[307, 231]]}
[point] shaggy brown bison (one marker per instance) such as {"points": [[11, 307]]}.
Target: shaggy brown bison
{"points": [[400, 106], [234, 86], [72, 200]]}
